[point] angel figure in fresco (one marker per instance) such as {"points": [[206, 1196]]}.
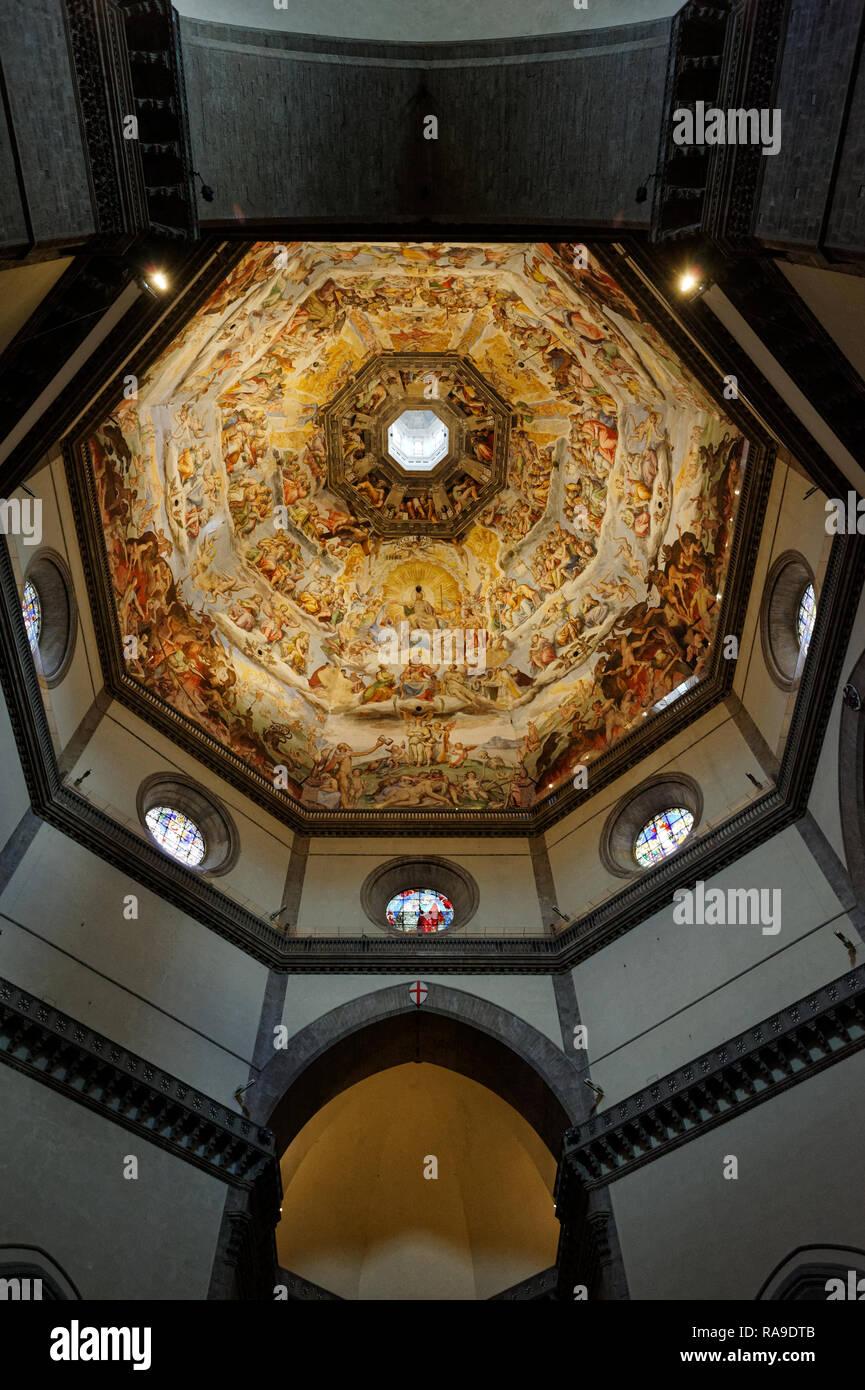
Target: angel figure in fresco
{"points": [[459, 752], [649, 431], [295, 652], [541, 651]]}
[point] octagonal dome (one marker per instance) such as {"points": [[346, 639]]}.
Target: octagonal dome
{"points": [[382, 639]]}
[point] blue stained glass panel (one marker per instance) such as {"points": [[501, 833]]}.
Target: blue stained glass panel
{"points": [[805, 617], [32, 610], [663, 835], [419, 910], [176, 834]]}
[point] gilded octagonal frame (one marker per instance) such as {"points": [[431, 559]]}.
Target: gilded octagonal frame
{"points": [[396, 502]]}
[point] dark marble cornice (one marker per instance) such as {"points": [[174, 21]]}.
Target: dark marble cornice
{"points": [[48, 1046], [300, 1290], [756, 1065], [537, 1288]]}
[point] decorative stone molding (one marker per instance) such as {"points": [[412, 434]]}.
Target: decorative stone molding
{"points": [[32, 1263], [801, 1276], [300, 1290], [727, 55], [532, 1290], [493, 1046], [49, 1046], [99, 56], [784, 1049], [851, 780], [126, 60]]}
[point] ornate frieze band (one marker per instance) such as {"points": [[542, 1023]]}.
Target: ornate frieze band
{"points": [[790, 1046], [49, 1046]]}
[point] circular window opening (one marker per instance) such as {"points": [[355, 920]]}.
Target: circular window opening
{"points": [[419, 910], [663, 835], [393, 900], [650, 823], [32, 610], [787, 616], [418, 440], [176, 834], [48, 607], [805, 616], [188, 823]]}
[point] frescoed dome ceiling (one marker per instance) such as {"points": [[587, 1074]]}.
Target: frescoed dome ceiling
{"points": [[417, 526]]}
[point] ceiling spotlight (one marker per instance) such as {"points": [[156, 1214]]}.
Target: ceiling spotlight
{"points": [[688, 282], [154, 281]]}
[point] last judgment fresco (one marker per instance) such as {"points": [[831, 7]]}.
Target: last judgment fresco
{"points": [[454, 640]]}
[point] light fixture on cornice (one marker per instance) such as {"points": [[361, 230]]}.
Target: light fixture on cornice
{"points": [[154, 280], [689, 282], [642, 192]]}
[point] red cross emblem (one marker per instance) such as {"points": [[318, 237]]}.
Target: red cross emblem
{"points": [[418, 992]]}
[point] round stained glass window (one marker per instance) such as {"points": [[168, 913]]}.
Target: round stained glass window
{"points": [[419, 910], [805, 615], [176, 834], [32, 610], [663, 835]]}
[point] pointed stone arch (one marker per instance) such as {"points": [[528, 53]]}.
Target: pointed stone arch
{"points": [[385, 1028]]}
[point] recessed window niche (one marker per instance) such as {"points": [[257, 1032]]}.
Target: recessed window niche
{"points": [[787, 618], [650, 824], [447, 896], [188, 823], [50, 614]]}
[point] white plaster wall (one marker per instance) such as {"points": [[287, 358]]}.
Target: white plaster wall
{"points": [[336, 868], [163, 986], [825, 801], [124, 750], [712, 751], [793, 524], [61, 1175], [530, 997], [688, 1233], [663, 993], [67, 703], [14, 800]]}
